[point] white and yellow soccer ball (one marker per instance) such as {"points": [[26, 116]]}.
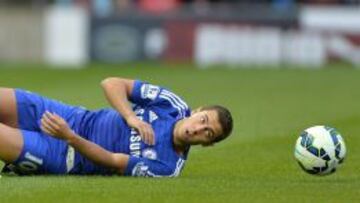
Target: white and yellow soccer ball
{"points": [[320, 150]]}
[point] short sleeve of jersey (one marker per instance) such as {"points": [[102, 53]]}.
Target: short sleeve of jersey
{"points": [[143, 167], [144, 94]]}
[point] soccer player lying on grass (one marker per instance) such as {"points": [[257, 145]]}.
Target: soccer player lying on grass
{"points": [[43, 136]]}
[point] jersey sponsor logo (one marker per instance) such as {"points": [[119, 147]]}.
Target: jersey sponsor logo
{"points": [[149, 91], [135, 138], [149, 153], [135, 143]]}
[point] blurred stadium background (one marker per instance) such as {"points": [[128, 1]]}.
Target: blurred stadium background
{"points": [[267, 33], [279, 65]]}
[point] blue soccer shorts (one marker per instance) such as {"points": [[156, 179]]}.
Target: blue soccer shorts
{"points": [[41, 153]]}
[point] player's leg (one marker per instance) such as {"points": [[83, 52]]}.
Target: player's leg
{"points": [[8, 108], [30, 108], [11, 143], [28, 152]]}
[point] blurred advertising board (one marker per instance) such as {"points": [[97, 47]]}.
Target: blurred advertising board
{"points": [[66, 36], [173, 36], [309, 41], [339, 28], [117, 40], [257, 46]]}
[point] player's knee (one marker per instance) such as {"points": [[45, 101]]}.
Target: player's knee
{"points": [[8, 109], [11, 143]]}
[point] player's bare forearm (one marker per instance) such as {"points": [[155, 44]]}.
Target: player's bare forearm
{"points": [[98, 154], [117, 92], [57, 127]]}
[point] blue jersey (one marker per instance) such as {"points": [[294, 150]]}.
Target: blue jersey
{"points": [[152, 104], [106, 127]]}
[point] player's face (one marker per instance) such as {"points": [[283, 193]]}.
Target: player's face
{"points": [[201, 128]]}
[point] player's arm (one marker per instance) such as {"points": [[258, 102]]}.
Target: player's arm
{"points": [[54, 125], [117, 91]]}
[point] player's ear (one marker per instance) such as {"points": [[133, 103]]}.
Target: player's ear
{"points": [[196, 110]]}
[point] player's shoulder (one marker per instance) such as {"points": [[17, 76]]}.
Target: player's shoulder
{"points": [[174, 99], [161, 94], [147, 90]]}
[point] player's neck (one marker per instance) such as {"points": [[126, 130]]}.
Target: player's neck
{"points": [[179, 146]]}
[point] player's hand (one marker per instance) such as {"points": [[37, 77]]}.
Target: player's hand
{"points": [[145, 130], [56, 126]]}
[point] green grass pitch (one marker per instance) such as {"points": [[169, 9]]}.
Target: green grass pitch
{"points": [[256, 164]]}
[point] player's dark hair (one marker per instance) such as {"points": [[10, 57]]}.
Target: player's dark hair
{"points": [[225, 120]]}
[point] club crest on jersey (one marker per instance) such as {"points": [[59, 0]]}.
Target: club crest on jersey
{"points": [[149, 153], [140, 169], [149, 91]]}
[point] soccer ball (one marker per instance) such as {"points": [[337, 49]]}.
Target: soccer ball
{"points": [[320, 150]]}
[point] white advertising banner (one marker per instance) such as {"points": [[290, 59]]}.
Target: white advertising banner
{"points": [[270, 47], [339, 27], [66, 36], [233, 45], [257, 46], [304, 48], [331, 18]]}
